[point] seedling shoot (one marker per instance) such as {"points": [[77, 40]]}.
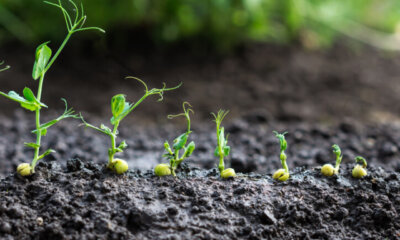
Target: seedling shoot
{"points": [[222, 150], [360, 171], [120, 108], [328, 170], [44, 59], [173, 155], [283, 173]]}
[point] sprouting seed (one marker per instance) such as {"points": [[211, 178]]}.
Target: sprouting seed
{"points": [[44, 59], [328, 170], [120, 108], [283, 173], [173, 154], [360, 171]]}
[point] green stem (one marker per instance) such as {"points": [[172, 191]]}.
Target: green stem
{"points": [[113, 143], [38, 132], [283, 161], [221, 166], [337, 165], [58, 51]]}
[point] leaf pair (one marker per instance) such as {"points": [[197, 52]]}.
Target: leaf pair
{"points": [[28, 101], [222, 144], [119, 108]]}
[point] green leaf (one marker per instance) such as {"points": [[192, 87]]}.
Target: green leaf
{"points": [[227, 150], [180, 141], [216, 152], [46, 153], [32, 145], [28, 94], [123, 145], [123, 114], [117, 104], [189, 149], [221, 138], [43, 55], [32, 106]]}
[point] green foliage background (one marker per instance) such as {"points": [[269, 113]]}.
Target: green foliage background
{"points": [[223, 23]]}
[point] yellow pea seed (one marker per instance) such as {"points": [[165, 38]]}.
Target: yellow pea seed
{"points": [[162, 169], [120, 166], [281, 175], [24, 169], [328, 170], [359, 171], [227, 173]]}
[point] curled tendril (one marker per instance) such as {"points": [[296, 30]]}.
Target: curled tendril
{"points": [[78, 20], [154, 91], [186, 111], [69, 112]]}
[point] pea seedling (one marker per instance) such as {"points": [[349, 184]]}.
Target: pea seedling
{"points": [[360, 171], [164, 169], [222, 150], [328, 170], [43, 61], [283, 173], [120, 108]]}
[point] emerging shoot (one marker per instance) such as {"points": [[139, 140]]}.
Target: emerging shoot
{"points": [[120, 108], [328, 170], [283, 173], [44, 59], [359, 171], [173, 155], [222, 150]]}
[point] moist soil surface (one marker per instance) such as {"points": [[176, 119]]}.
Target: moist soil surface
{"points": [[339, 97], [73, 196]]}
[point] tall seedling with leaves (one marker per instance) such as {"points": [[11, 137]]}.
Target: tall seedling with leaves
{"points": [[44, 59], [120, 108], [173, 155], [222, 150]]}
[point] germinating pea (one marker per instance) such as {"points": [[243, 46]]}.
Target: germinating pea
{"points": [[162, 169], [283, 173]]}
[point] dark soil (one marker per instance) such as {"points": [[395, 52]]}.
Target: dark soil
{"points": [[341, 97], [79, 199], [83, 201]]}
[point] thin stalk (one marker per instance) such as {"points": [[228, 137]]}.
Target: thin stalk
{"points": [[38, 132], [113, 143], [283, 161], [58, 51]]}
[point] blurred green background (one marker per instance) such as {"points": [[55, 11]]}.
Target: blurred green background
{"points": [[221, 23]]}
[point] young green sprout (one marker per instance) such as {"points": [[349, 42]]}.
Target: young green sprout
{"points": [[283, 173], [174, 156], [222, 150], [120, 108], [328, 170], [360, 171], [43, 61]]}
